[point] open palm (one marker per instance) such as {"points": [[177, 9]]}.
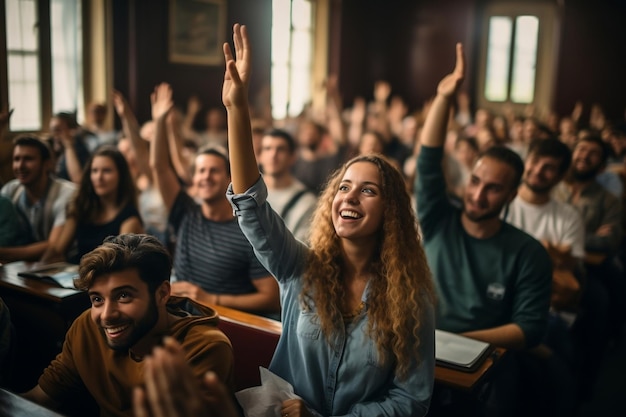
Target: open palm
{"points": [[161, 100], [449, 85], [237, 75]]}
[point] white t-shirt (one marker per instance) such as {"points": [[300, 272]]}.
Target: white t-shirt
{"points": [[46, 214], [298, 219], [555, 222]]}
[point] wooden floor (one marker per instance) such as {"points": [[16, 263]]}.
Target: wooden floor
{"points": [[609, 396]]}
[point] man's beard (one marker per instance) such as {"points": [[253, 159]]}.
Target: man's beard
{"points": [[140, 328], [538, 189], [584, 176], [484, 216]]}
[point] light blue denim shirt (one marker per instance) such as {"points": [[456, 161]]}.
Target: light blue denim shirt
{"points": [[343, 376]]}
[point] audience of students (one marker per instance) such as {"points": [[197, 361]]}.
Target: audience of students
{"points": [[127, 279], [493, 282], [39, 199], [357, 305]]}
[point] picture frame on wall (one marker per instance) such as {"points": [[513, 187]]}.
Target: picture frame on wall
{"points": [[197, 31]]}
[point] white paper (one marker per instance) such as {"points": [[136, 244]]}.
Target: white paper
{"points": [[265, 400]]}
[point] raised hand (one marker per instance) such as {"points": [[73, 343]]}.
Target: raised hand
{"points": [[382, 90], [161, 100], [237, 75], [450, 84], [5, 116], [171, 389], [119, 102], [193, 105]]}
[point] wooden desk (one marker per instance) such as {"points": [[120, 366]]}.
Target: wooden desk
{"points": [[12, 405], [41, 314], [466, 381]]}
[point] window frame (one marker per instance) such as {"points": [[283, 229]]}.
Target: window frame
{"points": [[97, 28], [546, 59]]}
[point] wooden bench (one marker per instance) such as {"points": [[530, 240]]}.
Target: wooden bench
{"points": [[254, 339]]}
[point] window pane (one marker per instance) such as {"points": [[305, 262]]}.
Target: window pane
{"points": [[21, 21], [498, 54], [281, 28], [66, 50], [23, 65], [299, 93], [524, 59], [301, 15], [300, 90], [291, 56], [280, 91], [23, 72]]}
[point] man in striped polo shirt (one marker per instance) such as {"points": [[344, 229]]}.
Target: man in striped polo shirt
{"points": [[213, 262]]}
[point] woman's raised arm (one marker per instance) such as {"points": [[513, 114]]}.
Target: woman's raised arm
{"points": [[243, 166]]}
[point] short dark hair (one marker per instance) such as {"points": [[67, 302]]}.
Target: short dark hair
{"points": [[284, 135], [553, 148], [34, 142], [470, 140], [127, 251], [215, 151], [595, 138], [68, 118], [506, 156]]}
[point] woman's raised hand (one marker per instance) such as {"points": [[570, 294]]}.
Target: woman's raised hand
{"points": [[449, 85], [237, 75]]}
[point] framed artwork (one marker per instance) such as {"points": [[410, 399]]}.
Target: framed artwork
{"points": [[197, 31]]}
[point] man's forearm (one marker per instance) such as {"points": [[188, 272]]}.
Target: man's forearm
{"points": [[509, 336], [31, 253]]}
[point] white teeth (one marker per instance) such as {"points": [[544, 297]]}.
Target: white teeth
{"points": [[350, 214], [112, 330]]}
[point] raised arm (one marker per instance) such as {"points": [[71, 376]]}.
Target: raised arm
{"points": [[244, 169], [175, 143], [130, 126], [162, 170], [334, 107], [434, 131]]}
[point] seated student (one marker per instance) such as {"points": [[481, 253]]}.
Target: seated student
{"points": [[554, 223], [493, 281], [287, 196], [106, 204], [39, 198], [213, 262], [357, 305], [603, 216], [71, 145], [127, 279]]}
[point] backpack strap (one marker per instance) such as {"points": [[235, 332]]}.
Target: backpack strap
{"points": [[291, 203]]}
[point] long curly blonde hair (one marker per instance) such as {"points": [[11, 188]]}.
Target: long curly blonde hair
{"points": [[401, 287]]}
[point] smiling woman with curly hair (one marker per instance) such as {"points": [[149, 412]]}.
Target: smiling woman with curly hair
{"points": [[357, 305]]}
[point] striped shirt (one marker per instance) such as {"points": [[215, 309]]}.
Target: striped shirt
{"points": [[214, 255]]}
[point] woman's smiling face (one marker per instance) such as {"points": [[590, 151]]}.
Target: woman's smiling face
{"points": [[357, 209]]}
